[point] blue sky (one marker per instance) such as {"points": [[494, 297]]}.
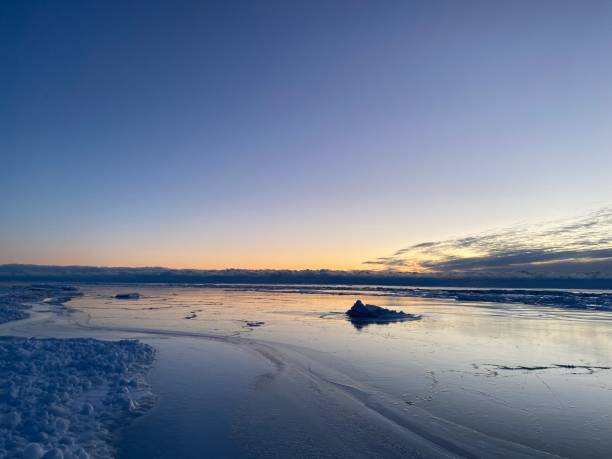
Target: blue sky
{"points": [[294, 134]]}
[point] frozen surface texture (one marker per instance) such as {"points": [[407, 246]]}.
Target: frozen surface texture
{"points": [[61, 398]]}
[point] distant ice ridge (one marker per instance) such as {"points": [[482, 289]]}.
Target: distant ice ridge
{"points": [[555, 298], [60, 398], [15, 301]]}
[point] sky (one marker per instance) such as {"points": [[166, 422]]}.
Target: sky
{"points": [[291, 134], [577, 246]]}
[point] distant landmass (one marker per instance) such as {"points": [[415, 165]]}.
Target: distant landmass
{"points": [[92, 274]]}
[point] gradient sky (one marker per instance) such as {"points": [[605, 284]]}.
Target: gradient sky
{"points": [[291, 134]]}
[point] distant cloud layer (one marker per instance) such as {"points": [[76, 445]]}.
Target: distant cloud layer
{"points": [[579, 246]]}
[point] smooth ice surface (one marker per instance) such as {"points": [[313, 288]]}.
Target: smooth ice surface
{"points": [[200, 386]]}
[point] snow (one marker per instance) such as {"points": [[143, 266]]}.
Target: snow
{"points": [[63, 398], [67, 396]]}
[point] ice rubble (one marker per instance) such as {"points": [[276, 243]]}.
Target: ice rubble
{"points": [[60, 398], [16, 300]]}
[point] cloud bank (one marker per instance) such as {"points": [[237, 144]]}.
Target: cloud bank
{"points": [[580, 246]]}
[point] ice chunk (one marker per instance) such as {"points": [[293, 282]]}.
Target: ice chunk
{"points": [[87, 409], [127, 296], [55, 453], [11, 419], [33, 451], [370, 311]]}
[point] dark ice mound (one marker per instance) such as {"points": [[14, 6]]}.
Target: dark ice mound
{"points": [[370, 311], [127, 296], [362, 315]]}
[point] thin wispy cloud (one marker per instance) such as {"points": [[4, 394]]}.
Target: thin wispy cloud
{"points": [[580, 245]]}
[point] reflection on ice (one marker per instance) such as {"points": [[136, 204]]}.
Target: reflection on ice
{"points": [[359, 322]]}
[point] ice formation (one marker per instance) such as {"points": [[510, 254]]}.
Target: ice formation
{"points": [[361, 315], [61, 398], [127, 296], [16, 300], [370, 311]]}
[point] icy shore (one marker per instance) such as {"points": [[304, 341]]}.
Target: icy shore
{"points": [[60, 398], [15, 301]]}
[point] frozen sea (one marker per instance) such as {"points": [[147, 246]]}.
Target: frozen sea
{"points": [[281, 372]]}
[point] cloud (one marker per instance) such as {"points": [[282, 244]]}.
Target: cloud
{"points": [[576, 246], [389, 262]]}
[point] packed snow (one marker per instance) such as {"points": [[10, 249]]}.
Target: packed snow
{"points": [[61, 398]]}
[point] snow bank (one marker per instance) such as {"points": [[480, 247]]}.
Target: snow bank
{"points": [[61, 398]]}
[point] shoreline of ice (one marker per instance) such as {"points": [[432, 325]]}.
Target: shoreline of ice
{"points": [[16, 301], [63, 398]]}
